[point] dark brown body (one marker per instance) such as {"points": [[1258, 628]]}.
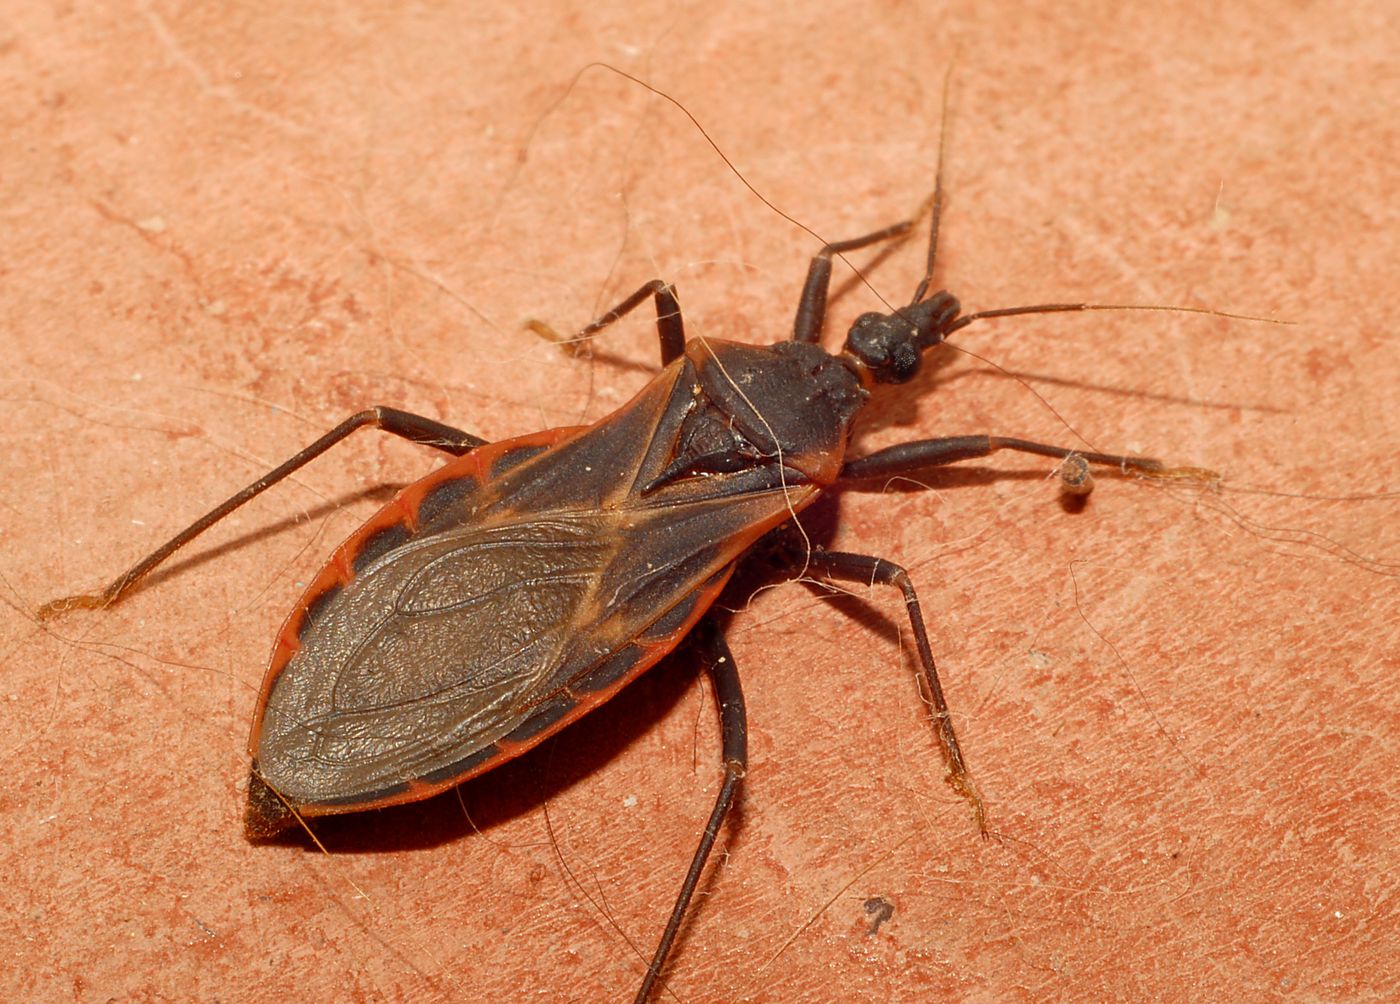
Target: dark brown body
{"points": [[507, 593]]}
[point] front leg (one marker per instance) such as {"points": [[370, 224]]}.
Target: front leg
{"points": [[811, 306], [909, 458]]}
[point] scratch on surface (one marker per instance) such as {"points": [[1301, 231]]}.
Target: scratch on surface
{"points": [[223, 92], [1108, 250]]}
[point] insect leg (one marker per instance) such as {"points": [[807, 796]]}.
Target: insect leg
{"points": [[415, 428], [811, 307], [669, 326], [906, 458], [873, 571], [734, 733]]}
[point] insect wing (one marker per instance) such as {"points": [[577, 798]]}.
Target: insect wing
{"points": [[552, 584], [434, 651]]}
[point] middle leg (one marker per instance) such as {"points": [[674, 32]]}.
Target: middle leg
{"points": [[878, 571], [670, 329]]}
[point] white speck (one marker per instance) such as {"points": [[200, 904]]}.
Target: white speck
{"points": [[152, 225], [630, 802], [138, 522], [136, 377], [1337, 914]]}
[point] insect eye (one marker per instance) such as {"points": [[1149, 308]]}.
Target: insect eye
{"points": [[886, 343]]}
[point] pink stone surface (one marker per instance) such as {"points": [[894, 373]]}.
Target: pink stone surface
{"points": [[226, 227]]}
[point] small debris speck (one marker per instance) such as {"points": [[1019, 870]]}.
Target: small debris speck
{"points": [[879, 910]]}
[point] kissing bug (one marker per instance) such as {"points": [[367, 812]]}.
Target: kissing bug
{"points": [[526, 581]]}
